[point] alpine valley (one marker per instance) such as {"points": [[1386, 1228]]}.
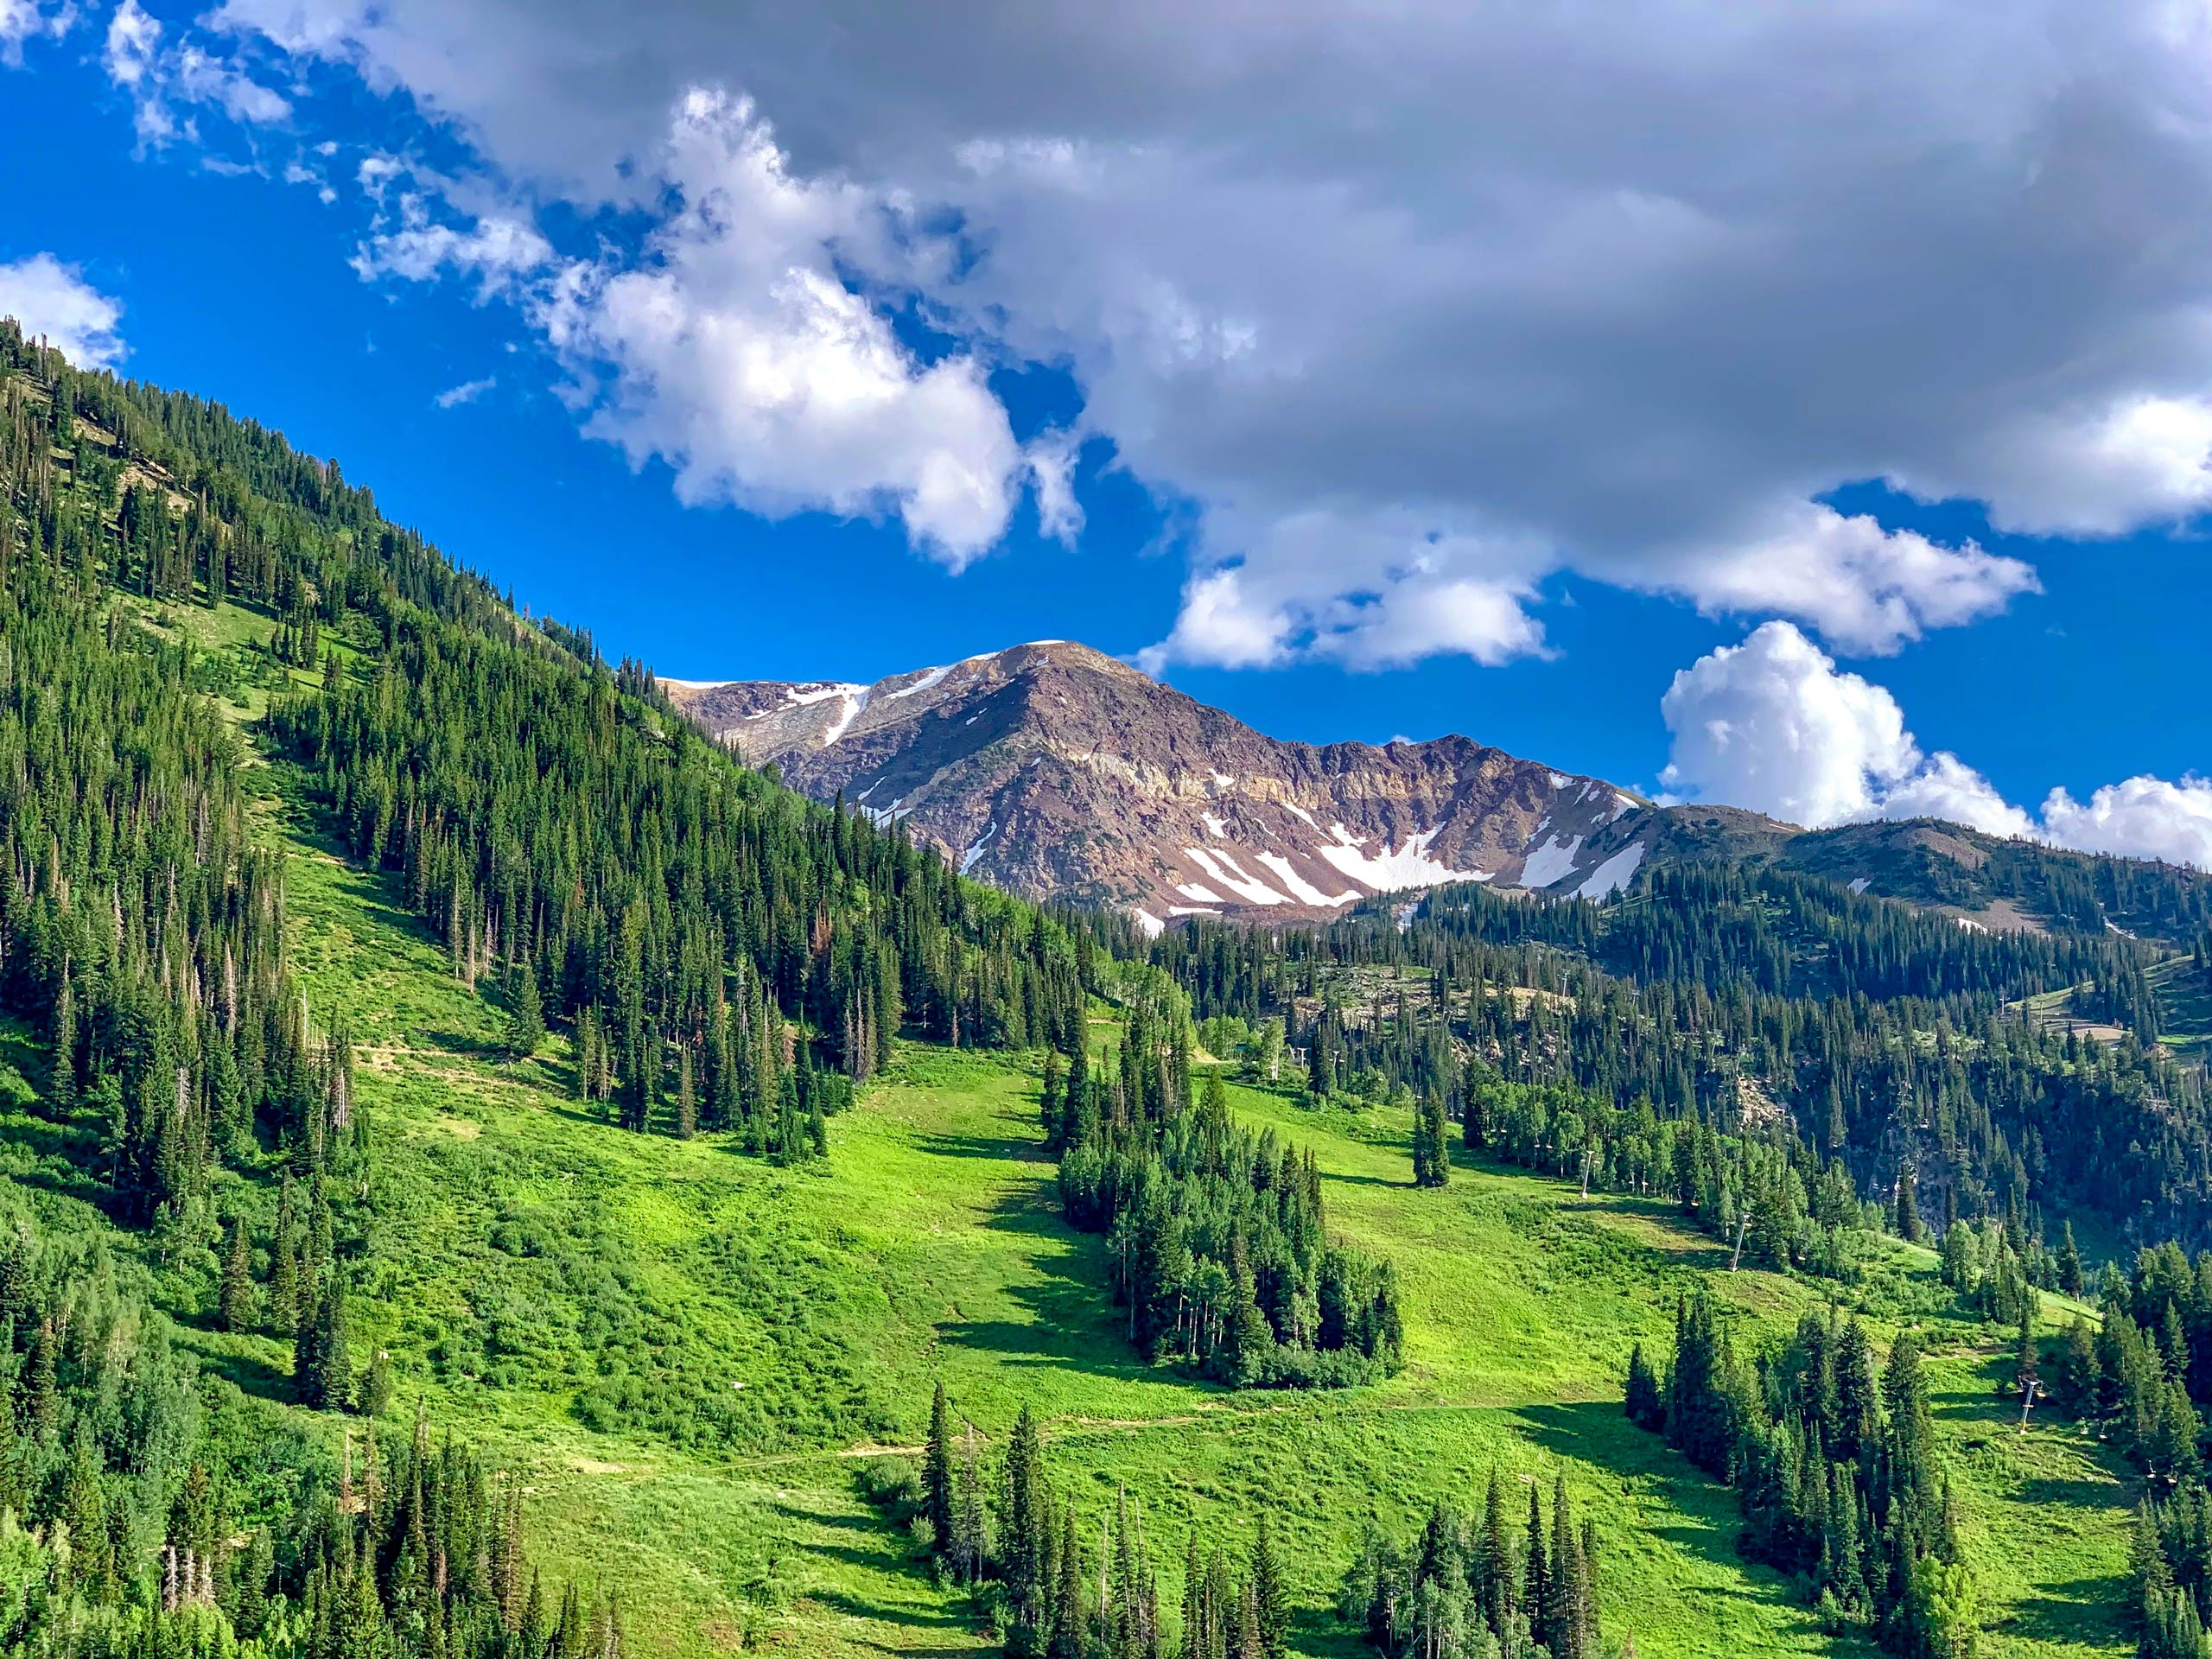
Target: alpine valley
{"points": [[1009, 1159]]}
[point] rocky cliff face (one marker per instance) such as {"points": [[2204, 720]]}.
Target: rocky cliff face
{"points": [[1052, 770]]}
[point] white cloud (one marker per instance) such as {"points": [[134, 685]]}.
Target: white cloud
{"points": [[133, 39], [1773, 725], [1051, 469], [137, 63], [1944, 787], [1865, 588], [1365, 589], [466, 392], [735, 351], [51, 299], [496, 250], [1384, 271], [25, 20], [2142, 817]]}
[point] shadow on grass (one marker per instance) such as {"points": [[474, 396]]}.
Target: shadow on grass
{"points": [[1705, 1518], [1003, 1148], [56, 1158], [2076, 1493], [248, 1374], [2076, 1614], [907, 1617], [1071, 1324], [461, 1043]]}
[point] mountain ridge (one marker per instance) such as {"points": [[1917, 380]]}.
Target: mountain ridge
{"points": [[1056, 771]]}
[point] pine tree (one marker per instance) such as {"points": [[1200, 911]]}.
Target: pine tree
{"points": [[1562, 1628], [1049, 1108], [687, 1097], [283, 1309], [61, 1077], [1907, 1218], [2069, 1264], [1025, 1541], [1270, 1601], [375, 1396], [524, 1029], [2026, 1369], [1432, 1153], [937, 1473], [1070, 1627], [321, 1365], [971, 1531], [1537, 1581], [235, 1305]]}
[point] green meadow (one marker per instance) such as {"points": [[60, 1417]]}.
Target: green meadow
{"points": [[687, 1357]]}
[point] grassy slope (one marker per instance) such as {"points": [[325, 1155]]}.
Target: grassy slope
{"points": [[571, 1296]]}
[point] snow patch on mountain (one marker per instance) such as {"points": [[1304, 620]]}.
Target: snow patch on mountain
{"points": [[967, 859], [821, 692], [1300, 888], [1554, 859], [1409, 865], [855, 700], [1614, 874], [934, 677], [1225, 870]]}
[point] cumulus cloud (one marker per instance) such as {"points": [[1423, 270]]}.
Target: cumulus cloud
{"points": [[1772, 724], [1967, 252], [2142, 817], [53, 300], [735, 351], [1344, 584]]}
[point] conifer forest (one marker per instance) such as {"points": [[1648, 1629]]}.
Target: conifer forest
{"points": [[491, 1174]]}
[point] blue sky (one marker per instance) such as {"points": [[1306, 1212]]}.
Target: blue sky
{"points": [[1392, 555]]}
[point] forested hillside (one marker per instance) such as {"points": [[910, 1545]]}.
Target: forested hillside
{"points": [[720, 956], [1891, 1038], [489, 1174]]}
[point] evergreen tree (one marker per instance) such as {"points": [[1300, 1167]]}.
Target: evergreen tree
{"points": [[1432, 1153], [937, 1473], [1271, 1610], [2070, 1262], [235, 1305], [524, 1029], [62, 1071], [1026, 1538]]}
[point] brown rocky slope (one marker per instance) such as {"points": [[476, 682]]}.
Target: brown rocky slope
{"points": [[1053, 770]]}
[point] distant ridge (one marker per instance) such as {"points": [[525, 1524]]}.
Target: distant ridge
{"points": [[1053, 770]]}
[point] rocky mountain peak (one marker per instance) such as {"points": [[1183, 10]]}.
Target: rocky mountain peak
{"points": [[1054, 770]]}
